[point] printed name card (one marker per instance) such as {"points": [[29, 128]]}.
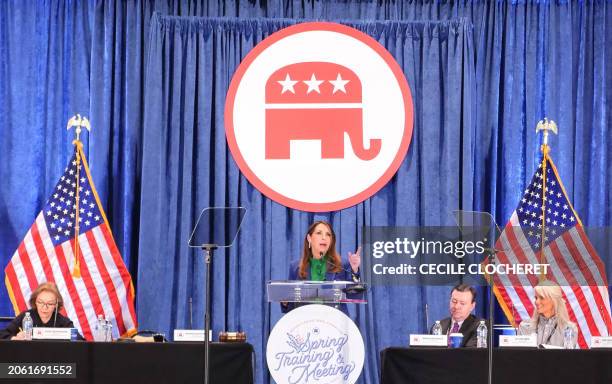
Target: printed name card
{"points": [[601, 342], [40, 333], [428, 341], [529, 341], [191, 335]]}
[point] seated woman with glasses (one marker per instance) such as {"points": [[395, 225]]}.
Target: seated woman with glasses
{"points": [[45, 303]]}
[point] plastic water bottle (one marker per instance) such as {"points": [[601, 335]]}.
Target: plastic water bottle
{"points": [[437, 328], [99, 329], [568, 338], [481, 335], [27, 326], [108, 331]]}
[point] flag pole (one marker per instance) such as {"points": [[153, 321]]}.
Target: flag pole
{"points": [[545, 126], [77, 122]]}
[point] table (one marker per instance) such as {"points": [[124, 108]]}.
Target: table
{"points": [[136, 362], [511, 366]]}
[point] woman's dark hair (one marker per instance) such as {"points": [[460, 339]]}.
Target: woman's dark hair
{"points": [[335, 263]]}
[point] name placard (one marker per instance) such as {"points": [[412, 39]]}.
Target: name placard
{"points": [[191, 335], [41, 333], [529, 341], [601, 342], [428, 341]]}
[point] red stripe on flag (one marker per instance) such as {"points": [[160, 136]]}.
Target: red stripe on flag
{"points": [[580, 262], [27, 266], [518, 250], [125, 275], [514, 281], [573, 285], [41, 252], [593, 253], [12, 277], [110, 288], [90, 286], [73, 292], [581, 340]]}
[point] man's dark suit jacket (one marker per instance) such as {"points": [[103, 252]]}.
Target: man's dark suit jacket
{"points": [[468, 328]]}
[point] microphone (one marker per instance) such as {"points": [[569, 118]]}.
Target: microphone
{"points": [[426, 315], [55, 316], [190, 313], [354, 289]]}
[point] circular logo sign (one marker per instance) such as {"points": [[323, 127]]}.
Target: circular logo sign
{"points": [[318, 116], [315, 344]]}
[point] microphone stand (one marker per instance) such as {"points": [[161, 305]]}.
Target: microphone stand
{"points": [[492, 253], [208, 252], [55, 317]]}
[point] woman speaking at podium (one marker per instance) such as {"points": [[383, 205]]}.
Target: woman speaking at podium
{"points": [[45, 303], [321, 262]]}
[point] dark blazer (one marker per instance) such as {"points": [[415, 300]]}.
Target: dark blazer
{"points": [[12, 329], [346, 274], [468, 329]]}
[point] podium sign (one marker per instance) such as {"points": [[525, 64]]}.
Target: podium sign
{"points": [[315, 344]]}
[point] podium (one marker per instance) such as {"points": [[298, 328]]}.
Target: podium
{"points": [[316, 292], [315, 330]]}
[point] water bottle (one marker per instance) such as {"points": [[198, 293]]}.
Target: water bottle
{"points": [[99, 329], [436, 329], [27, 326], [481, 335], [568, 338], [108, 331]]}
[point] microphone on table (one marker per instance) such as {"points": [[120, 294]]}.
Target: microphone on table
{"points": [[55, 316]]}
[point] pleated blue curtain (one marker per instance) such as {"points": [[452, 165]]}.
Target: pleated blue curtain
{"points": [[44, 79], [187, 166]]}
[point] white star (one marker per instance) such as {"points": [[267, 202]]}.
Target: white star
{"points": [[313, 84], [56, 237], [287, 84], [86, 222], [339, 84]]}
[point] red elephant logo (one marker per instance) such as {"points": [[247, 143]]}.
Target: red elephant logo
{"points": [[315, 101]]}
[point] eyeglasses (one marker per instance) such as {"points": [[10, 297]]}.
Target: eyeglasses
{"points": [[42, 304]]}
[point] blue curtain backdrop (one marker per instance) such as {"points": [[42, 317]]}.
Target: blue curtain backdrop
{"points": [[481, 73]]}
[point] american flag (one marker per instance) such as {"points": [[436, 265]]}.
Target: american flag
{"points": [[92, 277], [574, 262]]}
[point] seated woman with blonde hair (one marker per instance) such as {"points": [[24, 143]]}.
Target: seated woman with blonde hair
{"points": [[550, 319], [45, 303]]}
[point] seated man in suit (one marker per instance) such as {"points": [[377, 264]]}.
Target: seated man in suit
{"points": [[462, 303]]}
